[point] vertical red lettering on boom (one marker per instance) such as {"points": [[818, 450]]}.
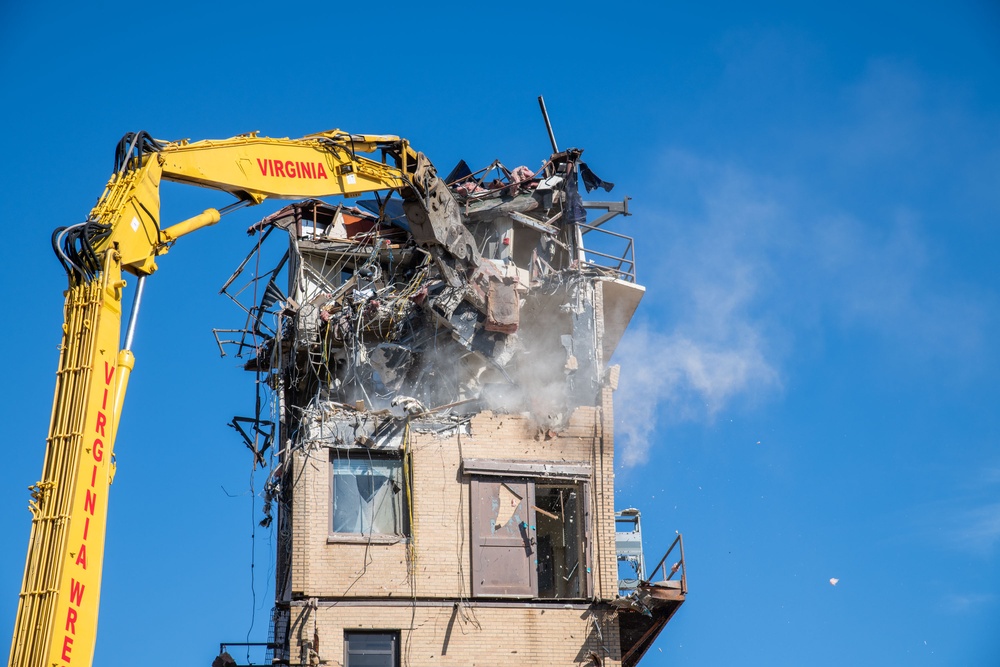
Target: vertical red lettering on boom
{"points": [[71, 620], [76, 588], [81, 558], [76, 592]]}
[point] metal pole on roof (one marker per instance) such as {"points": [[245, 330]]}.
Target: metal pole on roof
{"points": [[548, 125]]}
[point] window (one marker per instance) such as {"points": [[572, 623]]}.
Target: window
{"points": [[368, 492], [559, 513], [529, 538], [371, 649]]}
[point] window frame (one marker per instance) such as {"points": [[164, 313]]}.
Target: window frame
{"points": [[393, 634], [583, 569], [487, 473], [361, 455]]}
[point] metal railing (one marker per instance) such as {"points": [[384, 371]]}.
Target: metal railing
{"points": [[675, 568], [622, 263], [224, 646]]}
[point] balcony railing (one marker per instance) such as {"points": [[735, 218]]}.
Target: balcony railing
{"points": [[677, 567], [605, 248]]}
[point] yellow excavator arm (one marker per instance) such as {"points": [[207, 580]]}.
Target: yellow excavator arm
{"points": [[56, 622], [249, 167]]}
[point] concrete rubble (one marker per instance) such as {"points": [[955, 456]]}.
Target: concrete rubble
{"points": [[492, 310]]}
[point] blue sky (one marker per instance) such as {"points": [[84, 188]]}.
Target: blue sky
{"points": [[809, 388]]}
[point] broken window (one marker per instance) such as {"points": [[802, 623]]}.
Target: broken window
{"points": [[529, 538], [558, 517], [371, 649], [368, 493]]}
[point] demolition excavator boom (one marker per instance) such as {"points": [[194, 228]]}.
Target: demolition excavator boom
{"points": [[56, 622]]}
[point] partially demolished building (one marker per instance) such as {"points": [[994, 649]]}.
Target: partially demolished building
{"points": [[442, 449]]}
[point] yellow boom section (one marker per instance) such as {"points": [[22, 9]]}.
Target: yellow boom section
{"points": [[255, 168], [249, 167], [57, 611]]}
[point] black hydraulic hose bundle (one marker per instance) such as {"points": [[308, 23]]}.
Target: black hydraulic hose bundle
{"points": [[76, 250], [74, 245], [132, 147]]}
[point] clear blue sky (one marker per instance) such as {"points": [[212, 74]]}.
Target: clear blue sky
{"points": [[810, 387]]}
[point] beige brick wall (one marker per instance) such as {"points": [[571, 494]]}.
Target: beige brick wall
{"points": [[440, 566], [471, 636], [417, 594]]}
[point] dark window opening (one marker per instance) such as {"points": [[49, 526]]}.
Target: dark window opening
{"points": [[371, 649], [558, 521]]}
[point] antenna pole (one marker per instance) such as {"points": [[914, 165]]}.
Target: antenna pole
{"points": [[548, 125]]}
